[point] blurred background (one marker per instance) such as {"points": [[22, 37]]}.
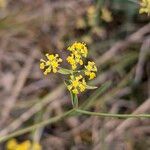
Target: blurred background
{"points": [[118, 39]]}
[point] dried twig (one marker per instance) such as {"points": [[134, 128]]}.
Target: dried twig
{"points": [[11, 100], [26, 115], [130, 122], [145, 51], [121, 45]]}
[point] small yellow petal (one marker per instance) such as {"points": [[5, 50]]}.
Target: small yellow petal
{"points": [[92, 75]]}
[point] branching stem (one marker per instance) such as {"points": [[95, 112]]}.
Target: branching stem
{"points": [[72, 111], [113, 115]]}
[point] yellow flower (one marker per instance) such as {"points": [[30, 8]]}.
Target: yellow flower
{"points": [[51, 64], [106, 15], [77, 84], [26, 145], [11, 144], [79, 49], [145, 7], [90, 70]]}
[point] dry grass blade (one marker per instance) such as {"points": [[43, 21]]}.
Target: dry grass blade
{"points": [[30, 112], [10, 102]]}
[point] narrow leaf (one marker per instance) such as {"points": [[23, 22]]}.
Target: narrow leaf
{"points": [[64, 71], [91, 87], [74, 100]]}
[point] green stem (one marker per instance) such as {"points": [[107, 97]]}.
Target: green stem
{"points": [[113, 115], [57, 118], [74, 100], [30, 128]]}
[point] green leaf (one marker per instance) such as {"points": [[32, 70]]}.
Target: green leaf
{"points": [[65, 71], [91, 87]]}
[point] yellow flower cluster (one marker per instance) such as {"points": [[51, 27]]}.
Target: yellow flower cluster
{"points": [[145, 7], [26, 145], [51, 64], [78, 51], [90, 70], [77, 84]]}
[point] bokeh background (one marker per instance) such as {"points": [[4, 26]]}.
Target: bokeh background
{"points": [[118, 39]]}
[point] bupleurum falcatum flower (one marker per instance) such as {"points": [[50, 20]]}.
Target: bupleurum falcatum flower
{"points": [[78, 52], [145, 7], [26, 145], [79, 49], [76, 82], [51, 64], [90, 70]]}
